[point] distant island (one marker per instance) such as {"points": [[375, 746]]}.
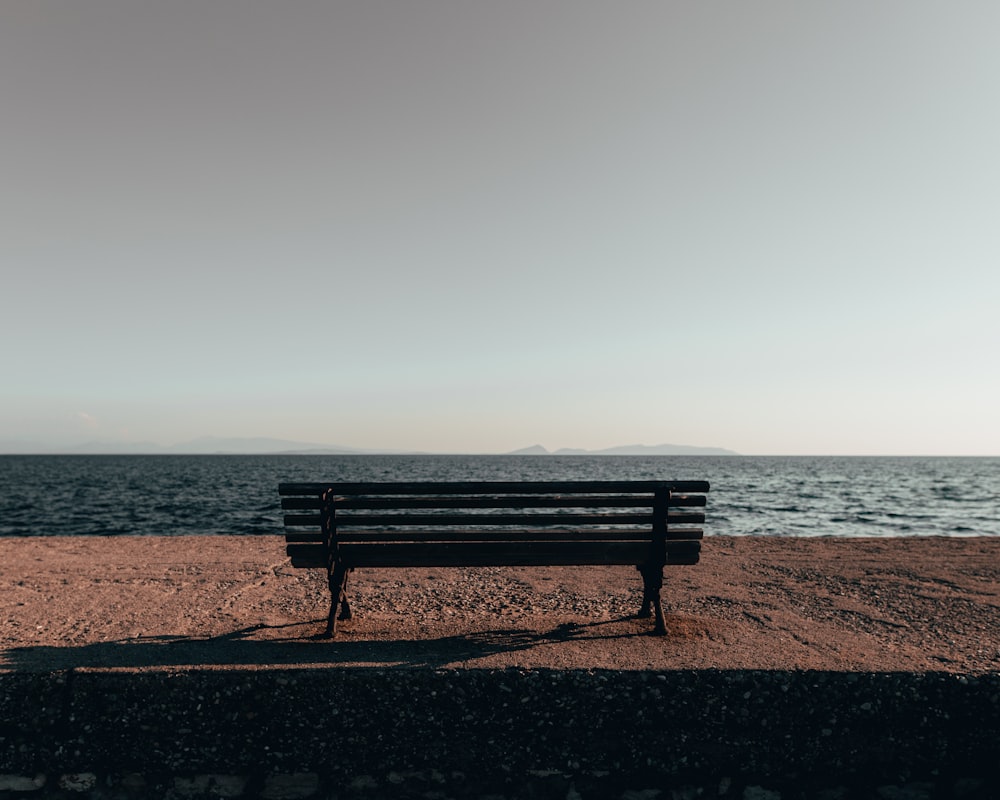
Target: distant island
{"points": [[211, 445], [628, 450]]}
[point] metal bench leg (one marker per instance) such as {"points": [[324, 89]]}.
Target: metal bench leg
{"points": [[345, 607], [652, 583], [645, 610], [338, 583]]}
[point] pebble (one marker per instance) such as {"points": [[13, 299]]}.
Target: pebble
{"points": [[290, 787], [21, 783], [78, 782]]}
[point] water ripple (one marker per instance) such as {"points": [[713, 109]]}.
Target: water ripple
{"points": [[780, 496]]}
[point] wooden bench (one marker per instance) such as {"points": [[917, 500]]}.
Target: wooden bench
{"points": [[342, 526]]}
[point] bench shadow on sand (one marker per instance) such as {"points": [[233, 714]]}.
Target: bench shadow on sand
{"points": [[241, 648]]}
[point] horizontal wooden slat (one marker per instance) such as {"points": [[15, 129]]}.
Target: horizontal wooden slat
{"points": [[487, 487], [301, 537], [497, 501], [527, 520], [678, 551], [513, 537], [300, 503], [685, 518], [674, 534], [312, 502], [307, 555], [314, 520], [474, 554], [516, 501], [479, 553], [299, 520], [678, 558], [299, 563]]}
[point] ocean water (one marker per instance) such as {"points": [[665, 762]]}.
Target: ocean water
{"points": [[751, 495]]}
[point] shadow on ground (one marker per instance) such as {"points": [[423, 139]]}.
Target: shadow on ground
{"points": [[241, 648]]}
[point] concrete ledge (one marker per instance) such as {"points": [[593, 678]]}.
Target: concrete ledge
{"points": [[641, 729]]}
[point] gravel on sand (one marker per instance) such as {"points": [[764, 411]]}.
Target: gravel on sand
{"points": [[753, 603]]}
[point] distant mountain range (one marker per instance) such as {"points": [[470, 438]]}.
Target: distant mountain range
{"points": [[212, 445], [628, 450]]}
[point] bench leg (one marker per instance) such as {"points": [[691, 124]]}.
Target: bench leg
{"points": [[345, 607], [338, 596], [652, 583]]}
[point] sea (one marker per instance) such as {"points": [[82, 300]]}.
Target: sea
{"points": [[168, 495]]}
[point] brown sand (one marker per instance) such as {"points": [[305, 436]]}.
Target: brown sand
{"points": [[752, 603]]}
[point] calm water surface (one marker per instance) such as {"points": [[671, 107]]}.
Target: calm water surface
{"points": [[779, 496]]}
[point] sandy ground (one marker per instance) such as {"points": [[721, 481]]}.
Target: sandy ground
{"points": [[140, 603]]}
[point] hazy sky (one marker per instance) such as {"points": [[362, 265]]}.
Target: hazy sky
{"points": [[474, 226]]}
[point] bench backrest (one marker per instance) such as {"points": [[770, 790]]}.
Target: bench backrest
{"points": [[493, 523]]}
